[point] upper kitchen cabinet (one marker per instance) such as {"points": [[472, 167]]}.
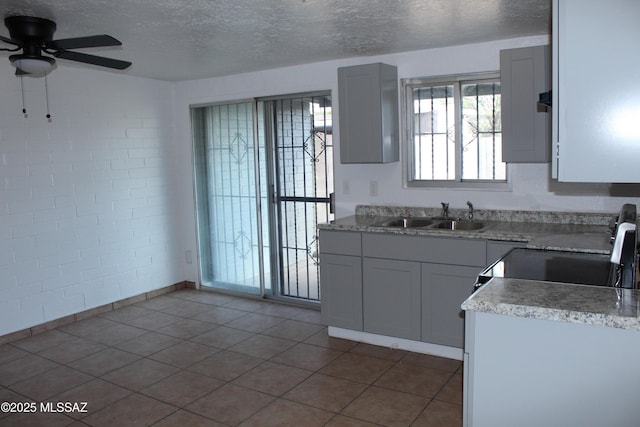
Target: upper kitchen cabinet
{"points": [[526, 127], [368, 112], [596, 90]]}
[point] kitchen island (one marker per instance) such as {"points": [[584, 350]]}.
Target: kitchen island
{"points": [[552, 354]]}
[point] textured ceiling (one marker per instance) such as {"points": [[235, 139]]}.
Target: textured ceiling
{"points": [[188, 39]]}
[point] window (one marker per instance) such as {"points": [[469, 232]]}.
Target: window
{"points": [[453, 131]]}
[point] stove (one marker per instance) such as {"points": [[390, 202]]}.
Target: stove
{"points": [[618, 269]]}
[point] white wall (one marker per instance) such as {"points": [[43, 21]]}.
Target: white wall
{"points": [[87, 201], [532, 187]]}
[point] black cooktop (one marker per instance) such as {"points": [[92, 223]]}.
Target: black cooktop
{"points": [[551, 266]]}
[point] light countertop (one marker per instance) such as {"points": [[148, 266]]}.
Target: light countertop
{"points": [[591, 305]]}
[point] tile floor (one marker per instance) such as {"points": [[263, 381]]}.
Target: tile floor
{"points": [[192, 358]]}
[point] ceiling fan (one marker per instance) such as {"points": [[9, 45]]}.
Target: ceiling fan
{"points": [[35, 36]]}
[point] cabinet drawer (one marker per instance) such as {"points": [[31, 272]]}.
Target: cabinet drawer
{"points": [[340, 242], [458, 251]]}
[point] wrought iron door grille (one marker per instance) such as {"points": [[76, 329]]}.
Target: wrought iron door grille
{"points": [[304, 183]]}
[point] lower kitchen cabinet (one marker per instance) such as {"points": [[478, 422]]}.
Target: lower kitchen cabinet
{"points": [[341, 291], [408, 287], [444, 288], [391, 298]]}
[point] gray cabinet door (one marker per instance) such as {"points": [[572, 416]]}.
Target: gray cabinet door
{"points": [[444, 288], [368, 113], [526, 129], [341, 277], [596, 91], [391, 298]]}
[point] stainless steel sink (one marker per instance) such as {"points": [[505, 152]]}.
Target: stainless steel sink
{"points": [[460, 224], [405, 223]]}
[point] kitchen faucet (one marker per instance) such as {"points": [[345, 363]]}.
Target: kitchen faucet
{"points": [[445, 210], [470, 211]]}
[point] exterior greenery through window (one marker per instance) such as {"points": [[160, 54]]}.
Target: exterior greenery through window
{"points": [[454, 131]]}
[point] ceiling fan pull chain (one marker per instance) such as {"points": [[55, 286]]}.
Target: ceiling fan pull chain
{"points": [[46, 92], [24, 108]]}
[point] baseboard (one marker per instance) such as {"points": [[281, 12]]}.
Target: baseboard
{"points": [[56, 323], [399, 343]]}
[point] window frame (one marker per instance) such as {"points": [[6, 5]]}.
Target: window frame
{"points": [[407, 135]]}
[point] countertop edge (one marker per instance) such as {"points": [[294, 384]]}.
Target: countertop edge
{"points": [[606, 309]]}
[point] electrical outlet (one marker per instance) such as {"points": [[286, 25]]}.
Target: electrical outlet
{"points": [[373, 188], [346, 187], [188, 256]]}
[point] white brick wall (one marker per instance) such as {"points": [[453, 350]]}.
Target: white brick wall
{"points": [[87, 201]]}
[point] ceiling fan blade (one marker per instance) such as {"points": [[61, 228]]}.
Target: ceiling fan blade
{"points": [[20, 72], [8, 40], [81, 42], [92, 59]]}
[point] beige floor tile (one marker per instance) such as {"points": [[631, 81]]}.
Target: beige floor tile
{"points": [[222, 337], [429, 361], [186, 419], [204, 296], [342, 421], [185, 308], [325, 392], [157, 303], [309, 316], [293, 330], [226, 365], [247, 304], [282, 413], [218, 315], [452, 391], [37, 419], [281, 310], [357, 367], [263, 346], [440, 414], [386, 407], [51, 382], [323, 340], [73, 350], [125, 314], [10, 396], [104, 361], [140, 374], [379, 352], [96, 393], [414, 379], [184, 354], [23, 368], [9, 353], [43, 341], [186, 328], [147, 344], [272, 378], [88, 327], [182, 388], [135, 410], [230, 404], [116, 334], [154, 320], [254, 322], [307, 356]]}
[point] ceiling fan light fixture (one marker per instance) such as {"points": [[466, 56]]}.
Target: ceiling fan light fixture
{"points": [[36, 65]]}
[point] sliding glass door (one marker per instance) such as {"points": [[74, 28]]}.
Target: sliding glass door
{"points": [[264, 180], [227, 167]]}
